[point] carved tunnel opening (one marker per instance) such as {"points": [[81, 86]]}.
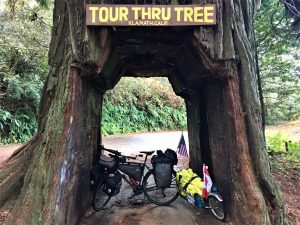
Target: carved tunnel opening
{"points": [[143, 104], [173, 53]]}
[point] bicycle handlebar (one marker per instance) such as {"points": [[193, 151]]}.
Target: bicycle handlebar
{"points": [[117, 153]]}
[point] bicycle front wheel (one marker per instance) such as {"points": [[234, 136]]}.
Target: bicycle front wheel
{"points": [[160, 196], [216, 207], [100, 198]]}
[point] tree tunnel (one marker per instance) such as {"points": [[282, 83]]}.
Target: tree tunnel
{"points": [[170, 53], [204, 84], [213, 68]]}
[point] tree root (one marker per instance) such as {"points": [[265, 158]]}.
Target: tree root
{"points": [[13, 171]]}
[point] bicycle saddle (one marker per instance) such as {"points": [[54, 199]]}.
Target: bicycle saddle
{"points": [[148, 153]]}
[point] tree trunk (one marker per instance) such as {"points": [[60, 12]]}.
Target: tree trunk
{"points": [[216, 74]]}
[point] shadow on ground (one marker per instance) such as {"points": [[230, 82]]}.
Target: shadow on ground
{"points": [[139, 211]]}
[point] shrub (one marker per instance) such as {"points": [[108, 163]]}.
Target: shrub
{"points": [[281, 144]]}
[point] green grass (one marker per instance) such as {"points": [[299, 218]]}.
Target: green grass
{"points": [[283, 145]]}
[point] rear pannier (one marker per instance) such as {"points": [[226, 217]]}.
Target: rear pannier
{"points": [[162, 168]]}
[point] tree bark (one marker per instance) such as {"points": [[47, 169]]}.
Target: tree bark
{"points": [[48, 176]]}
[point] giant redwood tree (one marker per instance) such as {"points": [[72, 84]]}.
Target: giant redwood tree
{"points": [[212, 67]]}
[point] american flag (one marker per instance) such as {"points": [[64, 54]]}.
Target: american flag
{"points": [[181, 149]]}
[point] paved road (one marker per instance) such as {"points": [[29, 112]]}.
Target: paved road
{"points": [[132, 143], [127, 144]]}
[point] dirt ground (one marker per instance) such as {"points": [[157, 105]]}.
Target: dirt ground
{"points": [[6, 151], [178, 213], [139, 212], [288, 180], [291, 128]]}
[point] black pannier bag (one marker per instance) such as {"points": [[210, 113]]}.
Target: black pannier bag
{"points": [[113, 184], [171, 154], [162, 168], [96, 173], [133, 170]]}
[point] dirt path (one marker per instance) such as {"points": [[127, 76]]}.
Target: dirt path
{"points": [[178, 213], [292, 129], [7, 150]]}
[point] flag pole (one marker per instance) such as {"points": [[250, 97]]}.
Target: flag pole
{"points": [[177, 150]]}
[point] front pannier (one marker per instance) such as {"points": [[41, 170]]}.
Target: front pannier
{"points": [[114, 183], [162, 168], [96, 173]]}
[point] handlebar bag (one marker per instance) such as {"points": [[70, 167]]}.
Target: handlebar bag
{"points": [[133, 170], [162, 168], [110, 163]]}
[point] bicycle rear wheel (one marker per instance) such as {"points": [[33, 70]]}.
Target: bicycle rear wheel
{"points": [[160, 196], [100, 198], [216, 207]]}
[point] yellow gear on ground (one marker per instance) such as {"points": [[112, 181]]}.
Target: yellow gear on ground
{"points": [[186, 175]]}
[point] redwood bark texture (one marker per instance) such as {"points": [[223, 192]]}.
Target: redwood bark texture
{"points": [[212, 67]]}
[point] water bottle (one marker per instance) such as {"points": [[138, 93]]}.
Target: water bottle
{"points": [[198, 201], [190, 199]]}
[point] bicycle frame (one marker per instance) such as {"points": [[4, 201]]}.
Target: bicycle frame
{"points": [[138, 189]]}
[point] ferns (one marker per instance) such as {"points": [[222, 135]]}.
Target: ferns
{"points": [[16, 128], [139, 104]]}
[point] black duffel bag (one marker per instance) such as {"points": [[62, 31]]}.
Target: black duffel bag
{"points": [[172, 155], [162, 168]]}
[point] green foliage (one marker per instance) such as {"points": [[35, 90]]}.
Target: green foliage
{"points": [[279, 63], [16, 128], [24, 40], [281, 144], [139, 104]]}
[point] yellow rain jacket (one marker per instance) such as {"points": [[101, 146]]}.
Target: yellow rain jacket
{"points": [[189, 182]]}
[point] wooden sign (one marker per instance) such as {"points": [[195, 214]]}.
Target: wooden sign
{"points": [[150, 15]]}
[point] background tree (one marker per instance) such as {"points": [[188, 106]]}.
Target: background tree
{"points": [[279, 62]]}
